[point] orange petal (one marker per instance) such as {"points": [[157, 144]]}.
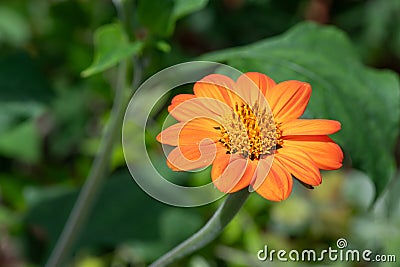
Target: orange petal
{"points": [[309, 127], [178, 99], [190, 157], [214, 86], [322, 150], [190, 133], [276, 183], [219, 87], [253, 86], [263, 167], [199, 108], [249, 91], [262, 81], [289, 99], [231, 173], [197, 130], [299, 164], [170, 136]]}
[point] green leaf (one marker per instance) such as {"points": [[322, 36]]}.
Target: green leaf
{"points": [[366, 101], [185, 7], [111, 46], [14, 28], [156, 15], [163, 46], [22, 142], [160, 16], [13, 113], [23, 97], [12, 191]]}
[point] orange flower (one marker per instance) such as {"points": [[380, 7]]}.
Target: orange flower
{"points": [[250, 131]]}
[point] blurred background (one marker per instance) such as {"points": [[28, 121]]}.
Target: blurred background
{"points": [[52, 119]]}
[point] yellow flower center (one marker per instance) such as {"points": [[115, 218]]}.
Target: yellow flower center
{"points": [[249, 131]]}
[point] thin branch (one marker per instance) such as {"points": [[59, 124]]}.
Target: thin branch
{"points": [[225, 213], [98, 171], [100, 166]]}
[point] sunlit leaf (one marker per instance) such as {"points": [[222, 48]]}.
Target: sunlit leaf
{"points": [[366, 101], [111, 46], [91, 262]]}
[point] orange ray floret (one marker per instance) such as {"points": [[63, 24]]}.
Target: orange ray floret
{"points": [[251, 134]]}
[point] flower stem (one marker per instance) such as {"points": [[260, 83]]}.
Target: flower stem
{"points": [[209, 232], [101, 163], [98, 171]]}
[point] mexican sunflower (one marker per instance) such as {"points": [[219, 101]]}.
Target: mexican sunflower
{"points": [[251, 132]]}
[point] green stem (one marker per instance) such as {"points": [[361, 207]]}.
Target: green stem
{"points": [[100, 166], [98, 171], [209, 232]]}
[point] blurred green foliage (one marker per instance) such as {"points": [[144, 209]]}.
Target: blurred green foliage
{"points": [[51, 120], [324, 57]]}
